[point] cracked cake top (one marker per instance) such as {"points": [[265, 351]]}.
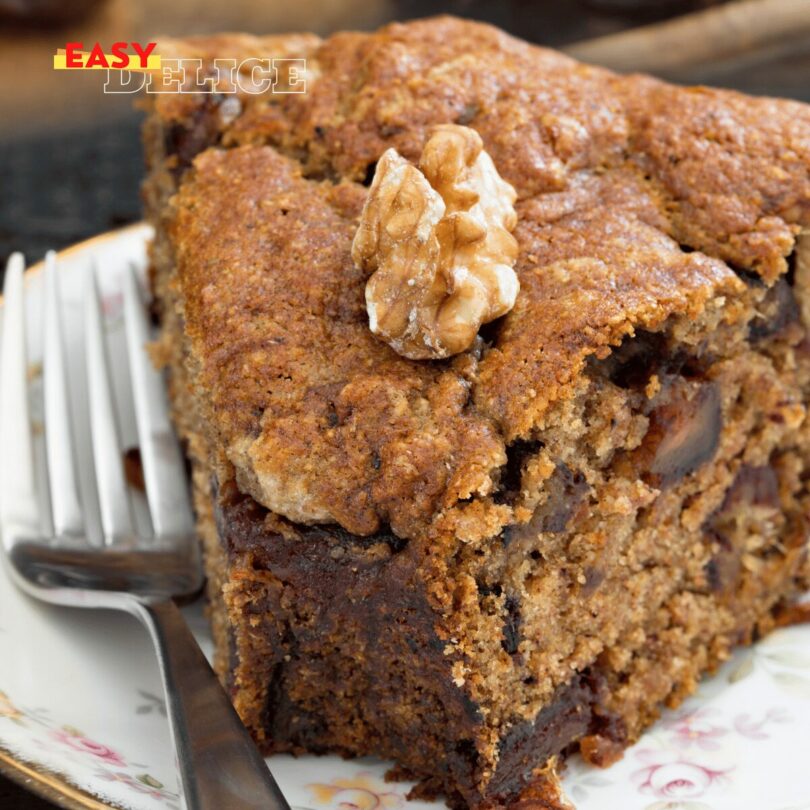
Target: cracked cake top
{"points": [[634, 201]]}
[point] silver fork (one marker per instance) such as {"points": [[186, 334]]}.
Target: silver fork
{"points": [[53, 556]]}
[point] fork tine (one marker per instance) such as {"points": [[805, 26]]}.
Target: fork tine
{"points": [[19, 509], [113, 496], [65, 507], [163, 468]]}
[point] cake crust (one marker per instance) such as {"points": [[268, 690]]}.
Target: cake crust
{"points": [[319, 417]]}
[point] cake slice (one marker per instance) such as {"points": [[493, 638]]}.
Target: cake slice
{"points": [[474, 566]]}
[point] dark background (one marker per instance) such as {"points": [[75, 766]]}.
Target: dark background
{"points": [[70, 159], [13, 797]]}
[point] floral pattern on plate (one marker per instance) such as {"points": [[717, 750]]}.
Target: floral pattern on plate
{"points": [[71, 747], [363, 792]]}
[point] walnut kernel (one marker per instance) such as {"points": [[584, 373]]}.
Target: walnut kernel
{"points": [[437, 242]]}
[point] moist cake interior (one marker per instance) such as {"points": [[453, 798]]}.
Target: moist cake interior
{"points": [[605, 494]]}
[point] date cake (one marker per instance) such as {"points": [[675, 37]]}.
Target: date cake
{"points": [[476, 561]]}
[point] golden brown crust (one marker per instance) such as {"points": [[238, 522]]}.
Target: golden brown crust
{"points": [[734, 170], [595, 265], [613, 174], [318, 415]]}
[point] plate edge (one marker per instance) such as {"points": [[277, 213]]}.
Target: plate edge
{"points": [[52, 786], [37, 267], [49, 785]]}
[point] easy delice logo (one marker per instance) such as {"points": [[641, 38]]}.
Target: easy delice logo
{"points": [[132, 67], [74, 57]]}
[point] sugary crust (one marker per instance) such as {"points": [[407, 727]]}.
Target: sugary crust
{"points": [[322, 420], [595, 265], [324, 423], [734, 171]]}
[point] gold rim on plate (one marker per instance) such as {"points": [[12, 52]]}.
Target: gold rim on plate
{"points": [[54, 787]]}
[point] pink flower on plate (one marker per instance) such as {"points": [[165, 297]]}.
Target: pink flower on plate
{"points": [[745, 725], [695, 728], [668, 776], [75, 740]]}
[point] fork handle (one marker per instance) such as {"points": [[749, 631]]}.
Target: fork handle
{"points": [[220, 766]]}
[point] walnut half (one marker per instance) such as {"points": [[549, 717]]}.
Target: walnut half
{"points": [[437, 242]]}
